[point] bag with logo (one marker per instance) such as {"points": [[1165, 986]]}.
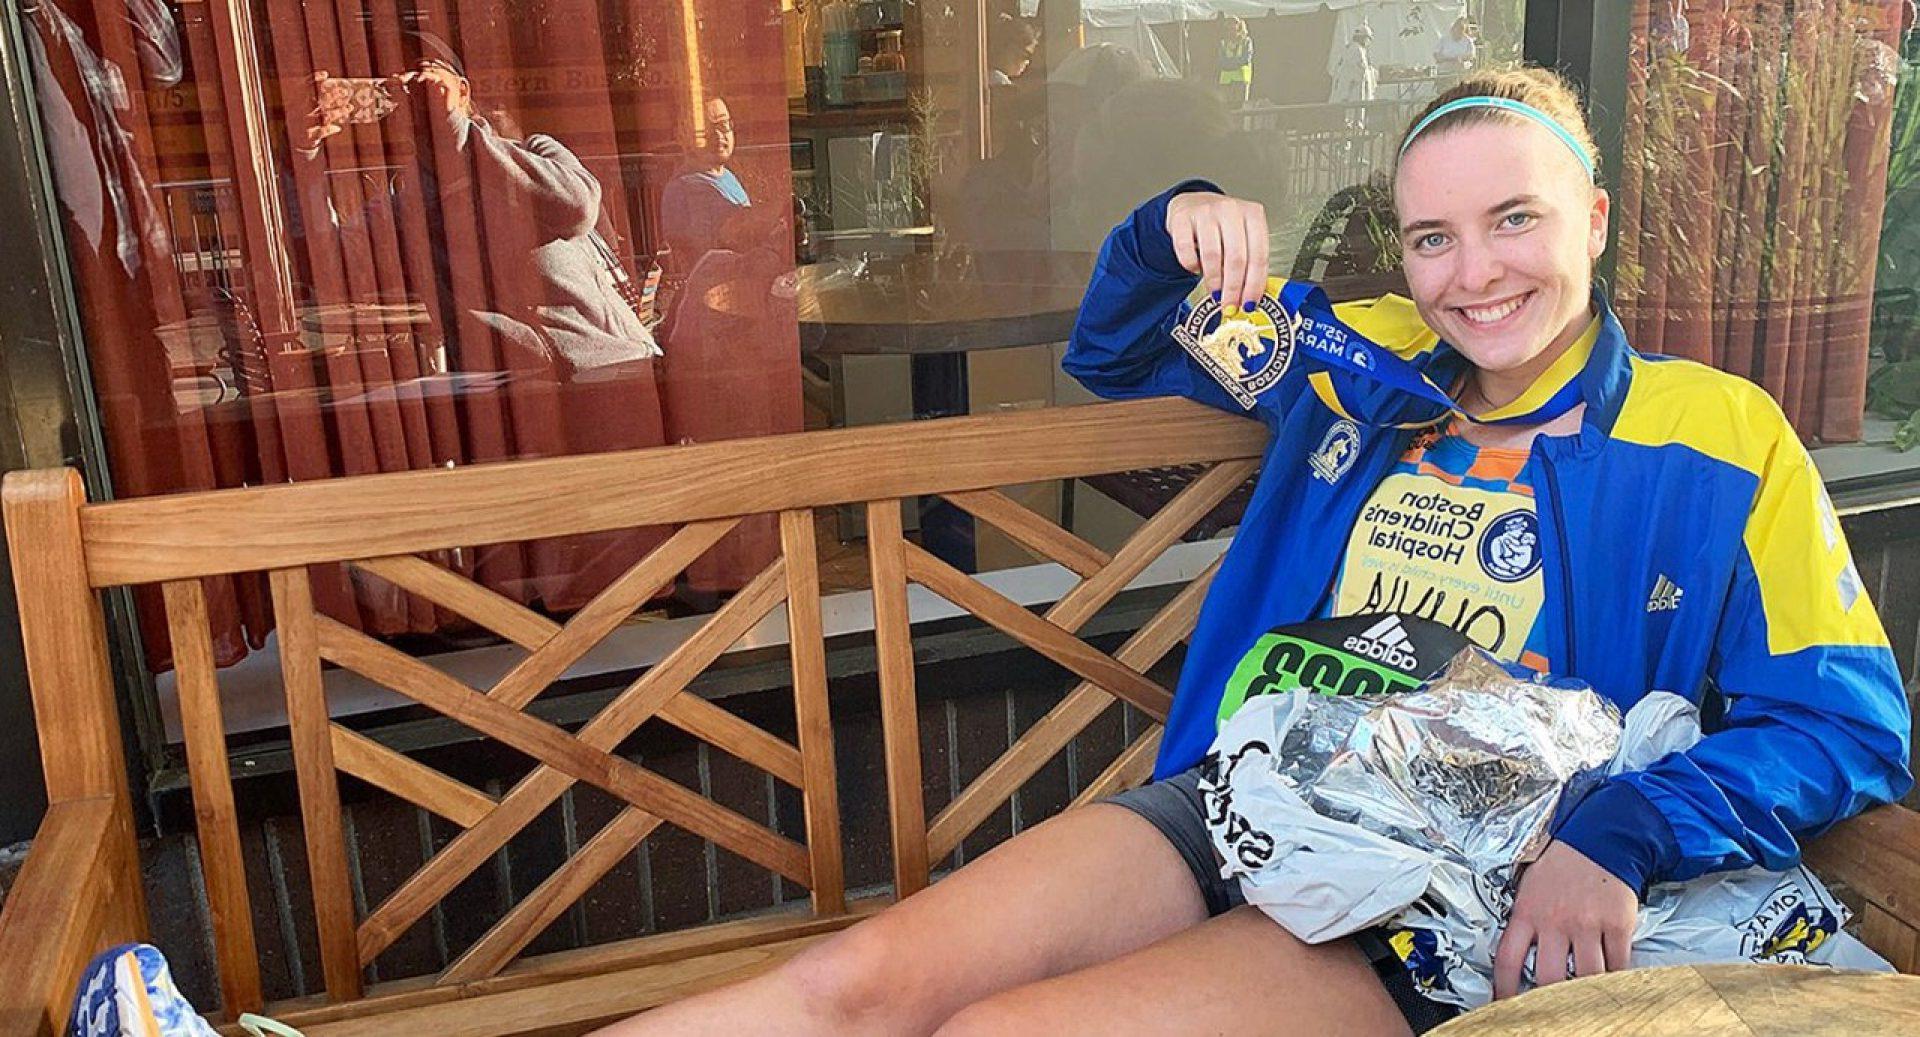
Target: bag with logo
{"points": [[1416, 811]]}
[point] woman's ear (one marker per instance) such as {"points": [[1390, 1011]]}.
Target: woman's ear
{"points": [[1597, 223]]}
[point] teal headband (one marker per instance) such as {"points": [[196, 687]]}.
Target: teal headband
{"points": [[1505, 104]]}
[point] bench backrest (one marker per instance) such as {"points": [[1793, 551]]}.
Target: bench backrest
{"points": [[402, 528]]}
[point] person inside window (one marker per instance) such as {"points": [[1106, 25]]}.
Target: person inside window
{"points": [[697, 204], [1355, 79], [1011, 43], [1455, 52], [1660, 526], [1236, 64]]}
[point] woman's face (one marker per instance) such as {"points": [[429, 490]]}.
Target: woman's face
{"points": [[1499, 227]]}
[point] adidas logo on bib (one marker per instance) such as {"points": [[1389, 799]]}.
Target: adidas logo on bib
{"points": [[1385, 641], [1666, 595]]}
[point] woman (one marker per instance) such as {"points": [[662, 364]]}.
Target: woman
{"points": [[1680, 536]]}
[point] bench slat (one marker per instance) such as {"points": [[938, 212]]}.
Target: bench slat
{"points": [[813, 717], [899, 705], [1150, 541], [1084, 660], [345, 646], [1031, 530], [1130, 768], [407, 778], [608, 609], [336, 520], [463, 597], [1893, 939], [215, 820], [319, 783]]}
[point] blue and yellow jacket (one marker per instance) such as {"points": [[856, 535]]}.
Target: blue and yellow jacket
{"points": [[1680, 476]]}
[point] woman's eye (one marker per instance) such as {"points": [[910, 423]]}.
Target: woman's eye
{"points": [[1428, 242], [1518, 219]]}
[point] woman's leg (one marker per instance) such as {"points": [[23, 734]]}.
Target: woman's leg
{"points": [[1239, 973], [1089, 885]]}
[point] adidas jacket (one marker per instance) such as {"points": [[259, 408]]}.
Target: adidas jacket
{"points": [[1687, 540]]}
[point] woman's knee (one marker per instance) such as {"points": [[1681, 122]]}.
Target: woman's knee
{"points": [[862, 976]]}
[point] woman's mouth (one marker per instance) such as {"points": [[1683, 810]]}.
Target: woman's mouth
{"points": [[1494, 315]]}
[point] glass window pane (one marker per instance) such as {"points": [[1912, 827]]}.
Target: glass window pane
{"points": [[1767, 209], [323, 239]]}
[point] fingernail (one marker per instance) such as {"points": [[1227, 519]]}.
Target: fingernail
{"points": [[1216, 296]]}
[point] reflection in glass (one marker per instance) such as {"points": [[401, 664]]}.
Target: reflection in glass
{"points": [[1752, 196], [316, 240]]}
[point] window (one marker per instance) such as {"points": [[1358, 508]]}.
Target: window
{"points": [[1768, 209]]}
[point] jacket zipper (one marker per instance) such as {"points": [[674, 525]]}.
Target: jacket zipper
{"points": [[1564, 666]]}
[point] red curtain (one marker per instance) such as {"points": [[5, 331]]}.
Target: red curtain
{"points": [[1752, 189], [257, 311]]}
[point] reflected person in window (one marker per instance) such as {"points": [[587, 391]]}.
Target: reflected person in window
{"points": [[697, 204], [539, 208]]}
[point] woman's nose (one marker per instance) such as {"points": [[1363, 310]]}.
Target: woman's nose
{"points": [[1480, 267]]}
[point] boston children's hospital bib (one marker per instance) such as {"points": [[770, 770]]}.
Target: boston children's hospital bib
{"points": [[1451, 535]]}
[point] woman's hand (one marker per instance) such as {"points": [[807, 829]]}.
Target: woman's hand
{"points": [[1224, 240], [1566, 905]]}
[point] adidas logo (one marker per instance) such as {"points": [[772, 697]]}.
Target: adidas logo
{"points": [[1666, 595], [1386, 642]]}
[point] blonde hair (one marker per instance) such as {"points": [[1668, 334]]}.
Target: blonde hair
{"points": [[1539, 88]]}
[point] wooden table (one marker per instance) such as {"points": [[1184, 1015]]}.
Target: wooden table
{"points": [[1707, 1001]]}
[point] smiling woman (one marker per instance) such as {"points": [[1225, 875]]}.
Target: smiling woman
{"points": [[1492, 454]]}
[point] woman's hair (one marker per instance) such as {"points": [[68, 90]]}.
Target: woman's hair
{"points": [[1540, 88]]}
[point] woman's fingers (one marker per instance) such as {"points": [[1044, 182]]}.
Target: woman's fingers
{"points": [[1224, 240], [1254, 219], [1185, 247], [1233, 262], [1550, 958], [1510, 957], [1206, 234], [1618, 945], [1589, 955]]}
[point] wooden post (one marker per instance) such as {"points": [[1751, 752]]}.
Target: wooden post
{"points": [[74, 705]]}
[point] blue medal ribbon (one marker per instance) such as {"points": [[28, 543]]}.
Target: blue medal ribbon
{"points": [[1319, 331]]}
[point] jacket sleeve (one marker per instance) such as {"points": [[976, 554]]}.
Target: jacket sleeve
{"points": [[563, 196], [1817, 725], [1121, 348]]}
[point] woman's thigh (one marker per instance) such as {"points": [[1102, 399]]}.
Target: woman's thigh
{"points": [[1089, 885], [1239, 973]]}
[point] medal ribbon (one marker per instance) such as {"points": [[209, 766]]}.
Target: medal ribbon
{"points": [[1334, 343]]}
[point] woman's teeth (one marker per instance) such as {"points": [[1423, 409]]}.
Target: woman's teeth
{"points": [[1492, 314]]}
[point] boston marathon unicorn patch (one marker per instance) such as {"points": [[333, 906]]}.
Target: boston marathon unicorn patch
{"points": [[1246, 352]]}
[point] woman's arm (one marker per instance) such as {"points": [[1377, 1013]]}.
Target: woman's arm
{"points": [[1120, 348], [1817, 725]]}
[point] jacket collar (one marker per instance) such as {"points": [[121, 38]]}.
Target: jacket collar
{"points": [[1603, 381]]}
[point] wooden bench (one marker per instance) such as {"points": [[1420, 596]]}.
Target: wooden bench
{"points": [[80, 889]]}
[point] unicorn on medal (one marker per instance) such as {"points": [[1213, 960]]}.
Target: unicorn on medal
{"points": [[1248, 350]]}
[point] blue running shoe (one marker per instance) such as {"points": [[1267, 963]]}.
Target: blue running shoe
{"points": [[128, 992]]}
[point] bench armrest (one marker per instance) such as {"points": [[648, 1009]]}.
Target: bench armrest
{"points": [[57, 915], [1877, 855]]}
